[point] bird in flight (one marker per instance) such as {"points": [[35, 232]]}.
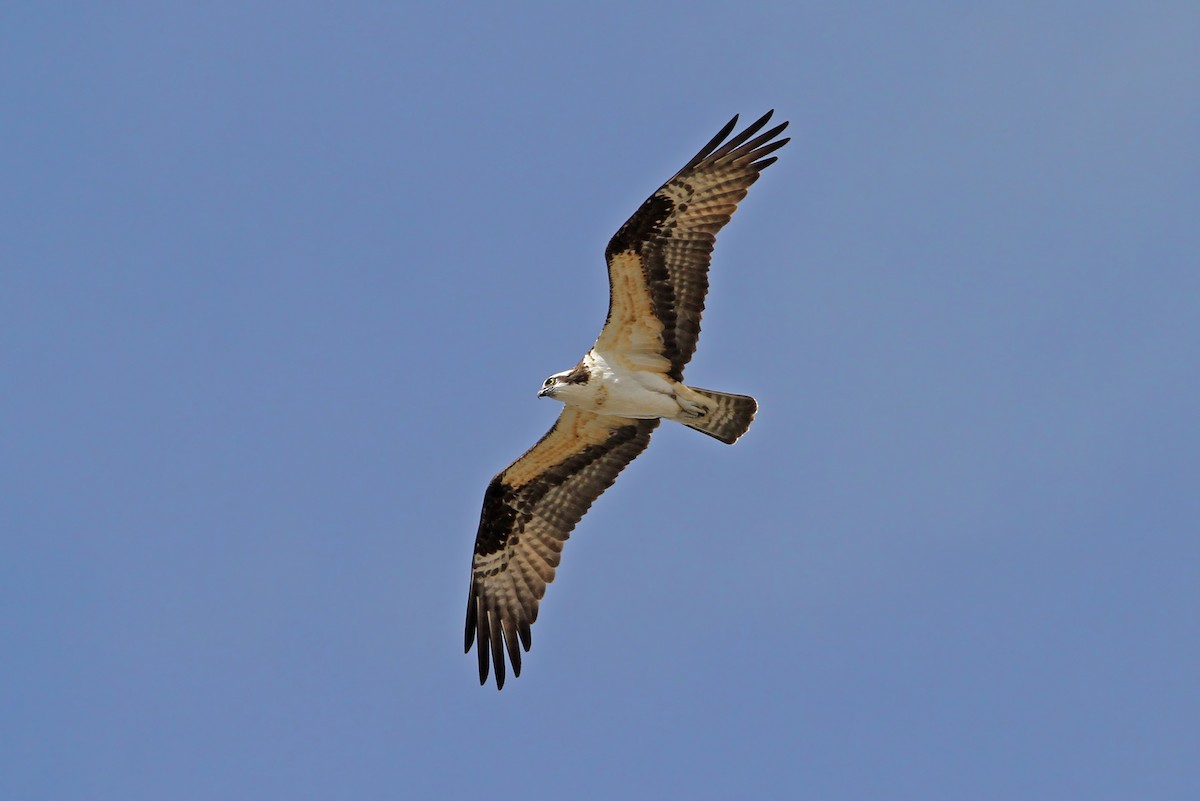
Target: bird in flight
{"points": [[614, 398]]}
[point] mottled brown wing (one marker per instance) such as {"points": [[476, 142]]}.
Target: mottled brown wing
{"points": [[529, 510], [659, 258]]}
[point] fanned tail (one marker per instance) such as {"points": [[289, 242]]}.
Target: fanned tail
{"points": [[728, 415]]}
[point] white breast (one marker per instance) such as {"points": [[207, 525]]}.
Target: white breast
{"points": [[620, 386]]}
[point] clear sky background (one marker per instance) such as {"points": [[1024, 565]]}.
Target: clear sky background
{"points": [[279, 283]]}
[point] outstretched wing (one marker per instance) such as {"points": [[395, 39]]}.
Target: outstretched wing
{"points": [[529, 510], [658, 260]]}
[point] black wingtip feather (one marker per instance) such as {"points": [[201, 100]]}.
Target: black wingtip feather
{"points": [[712, 145], [510, 642], [497, 642], [759, 146], [526, 635], [482, 651], [749, 131], [469, 634]]}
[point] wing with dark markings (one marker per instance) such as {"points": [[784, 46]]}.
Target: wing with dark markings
{"points": [[670, 241], [529, 510]]}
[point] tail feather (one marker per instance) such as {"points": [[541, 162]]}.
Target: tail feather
{"points": [[728, 415]]}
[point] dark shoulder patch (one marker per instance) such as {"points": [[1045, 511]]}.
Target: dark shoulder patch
{"points": [[579, 375], [643, 226], [496, 521]]}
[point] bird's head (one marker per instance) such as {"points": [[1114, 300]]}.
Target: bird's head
{"points": [[553, 385], [569, 386]]}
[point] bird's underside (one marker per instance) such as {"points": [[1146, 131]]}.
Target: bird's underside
{"points": [[614, 398]]}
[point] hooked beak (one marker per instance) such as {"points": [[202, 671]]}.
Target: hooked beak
{"points": [[545, 391]]}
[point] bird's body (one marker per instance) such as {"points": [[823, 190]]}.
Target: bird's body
{"points": [[615, 396], [618, 386]]}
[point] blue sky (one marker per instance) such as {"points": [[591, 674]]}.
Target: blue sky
{"points": [[279, 283]]}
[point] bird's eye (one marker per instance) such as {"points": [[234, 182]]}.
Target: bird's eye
{"points": [[549, 381]]}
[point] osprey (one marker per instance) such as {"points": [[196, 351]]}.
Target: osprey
{"points": [[630, 379]]}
